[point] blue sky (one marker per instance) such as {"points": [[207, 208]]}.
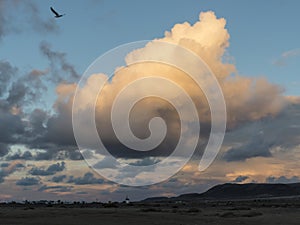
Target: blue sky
{"points": [[260, 32], [42, 58]]}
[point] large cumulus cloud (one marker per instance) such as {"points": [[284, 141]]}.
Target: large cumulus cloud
{"points": [[247, 99]]}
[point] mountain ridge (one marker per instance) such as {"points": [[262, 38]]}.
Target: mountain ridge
{"points": [[231, 191]]}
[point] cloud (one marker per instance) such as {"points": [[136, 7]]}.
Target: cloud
{"points": [[51, 170], [58, 64], [7, 71], [4, 165], [9, 168], [58, 179], [38, 23], [28, 181], [262, 138], [145, 162], [22, 124], [37, 72], [29, 18], [285, 56], [87, 178], [240, 179], [247, 99], [105, 163], [27, 155], [294, 99], [11, 128], [3, 149], [282, 179], [54, 133], [4, 22], [18, 91], [57, 188], [59, 126], [17, 95], [256, 147], [82, 193]]}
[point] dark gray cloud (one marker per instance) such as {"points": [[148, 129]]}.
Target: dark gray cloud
{"points": [[256, 147], [28, 181], [9, 168], [20, 92], [240, 179], [282, 179], [4, 22], [105, 163], [3, 149], [39, 131], [82, 193], [3, 165], [11, 127], [259, 138], [25, 90], [51, 133], [59, 65], [34, 128], [17, 93], [56, 167], [7, 71], [29, 18], [38, 23], [54, 134], [87, 178], [139, 121], [57, 188], [2, 176], [51, 170], [145, 162], [59, 128], [58, 179], [27, 155], [38, 119], [49, 152]]}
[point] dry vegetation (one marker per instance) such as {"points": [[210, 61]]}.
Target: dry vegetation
{"points": [[264, 212]]}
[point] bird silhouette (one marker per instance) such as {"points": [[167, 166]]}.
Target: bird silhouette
{"points": [[57, 15]]}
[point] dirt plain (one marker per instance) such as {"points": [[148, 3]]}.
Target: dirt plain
{"points": [[267, 212]]}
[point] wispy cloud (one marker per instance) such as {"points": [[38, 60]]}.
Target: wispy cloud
{"points": [[30, 18], [285, 56], [9, 168], [51, 170], [28, 181], [59, 64], [87, 178], [282, 179]]}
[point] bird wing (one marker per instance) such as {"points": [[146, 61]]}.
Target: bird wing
{"points": [[56, 13]]}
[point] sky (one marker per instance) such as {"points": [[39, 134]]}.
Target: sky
{"points": [[251, 46]]}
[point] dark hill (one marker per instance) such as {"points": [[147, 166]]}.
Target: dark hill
{"points": [[238, 191], [232, 191]]}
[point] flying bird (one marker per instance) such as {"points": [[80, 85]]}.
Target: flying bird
{"points": [[57, 15]]}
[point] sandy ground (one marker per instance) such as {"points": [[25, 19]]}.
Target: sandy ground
{"points": [[152, 215]]}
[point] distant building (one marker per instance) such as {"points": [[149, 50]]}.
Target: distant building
{"points": [[127, 201]]}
